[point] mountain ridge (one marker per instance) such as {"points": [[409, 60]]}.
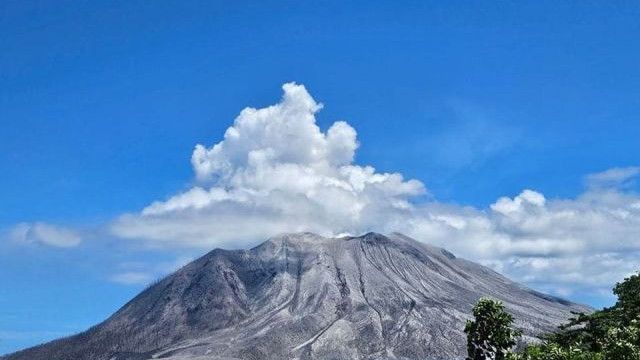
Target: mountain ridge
{"points": [[304, 296]]}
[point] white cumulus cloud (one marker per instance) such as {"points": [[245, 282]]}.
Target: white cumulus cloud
{"points": [[589, 242], [276, 171]]}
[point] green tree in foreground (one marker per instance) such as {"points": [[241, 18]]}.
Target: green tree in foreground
{"points": [[489, 335], [628, 304], [609, 334], [623, 343]]}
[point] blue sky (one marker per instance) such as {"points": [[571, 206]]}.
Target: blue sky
{"points": [[103, 103]]}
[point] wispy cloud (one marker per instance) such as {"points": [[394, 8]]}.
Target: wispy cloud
{"points": [[140, 273], [45, 234], [132, 277], [613, 178], [470, 138]]}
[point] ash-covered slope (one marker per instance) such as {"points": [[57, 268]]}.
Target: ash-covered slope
{"points": [[302, 296]]}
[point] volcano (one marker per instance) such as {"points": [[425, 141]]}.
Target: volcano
{"points": [[304, 296]]}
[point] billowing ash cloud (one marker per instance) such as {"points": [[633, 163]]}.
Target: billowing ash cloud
{"points": [[277, 171]]}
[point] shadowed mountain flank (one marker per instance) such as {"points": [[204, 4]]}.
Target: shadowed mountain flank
{"points": [[303, 296]]}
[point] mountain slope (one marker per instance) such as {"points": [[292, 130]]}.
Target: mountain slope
{"points": [[302, 296]]}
